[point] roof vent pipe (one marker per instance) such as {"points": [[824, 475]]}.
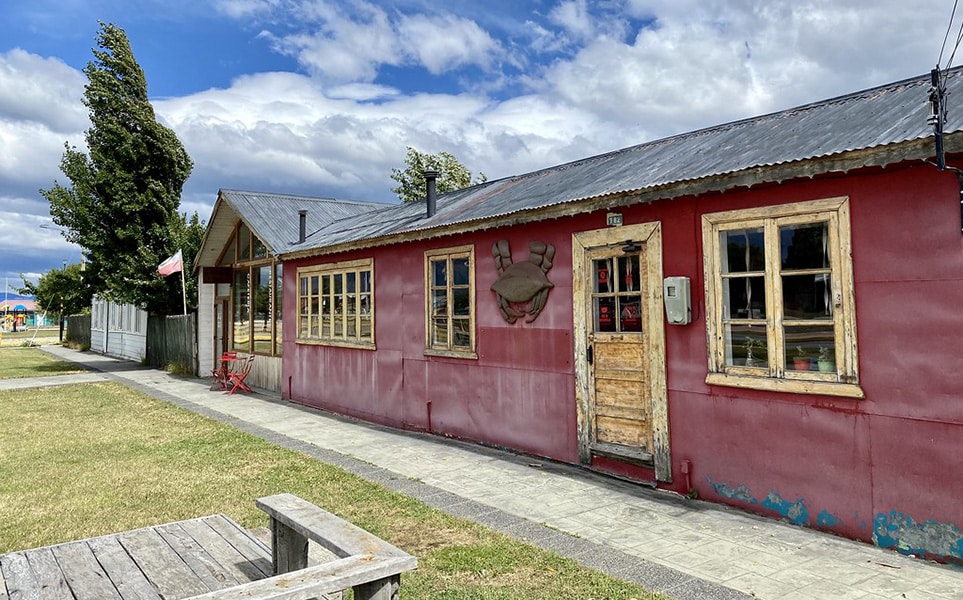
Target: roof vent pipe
{"points": [[430, 177], [302, 225]]}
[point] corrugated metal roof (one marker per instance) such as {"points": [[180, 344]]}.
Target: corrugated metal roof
{"points": [[882, 116], [274, 218]]}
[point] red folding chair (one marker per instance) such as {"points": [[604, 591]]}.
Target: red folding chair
{"points": [[221, 374], [237, 377]]}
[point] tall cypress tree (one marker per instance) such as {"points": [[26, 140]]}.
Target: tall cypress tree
{"points": [[121, 207]]}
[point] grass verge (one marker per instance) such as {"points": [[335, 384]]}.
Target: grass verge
{"points": [[40, 336], [29, 362], [90, 459]]}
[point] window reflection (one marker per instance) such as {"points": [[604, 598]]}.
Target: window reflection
{"points": [[616, 301], [242, 309]]}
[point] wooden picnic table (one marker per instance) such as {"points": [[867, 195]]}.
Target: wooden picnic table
{"points": [[172, 561], [211, 558]]}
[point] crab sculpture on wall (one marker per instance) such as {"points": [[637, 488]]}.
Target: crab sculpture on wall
{"points": [[522, 288]]}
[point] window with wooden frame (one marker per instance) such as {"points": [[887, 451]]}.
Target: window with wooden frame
{"points": [[450, 302], [255, 293], [780, 310], [336, 304]]}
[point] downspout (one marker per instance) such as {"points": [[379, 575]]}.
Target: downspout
{"points": [[430, 179]]}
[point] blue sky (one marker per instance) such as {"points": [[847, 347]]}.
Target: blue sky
{"points": [[321, 98]]}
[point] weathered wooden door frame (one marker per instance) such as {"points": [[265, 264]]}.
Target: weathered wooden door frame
{"points": [[649, 234], [222, 340]]}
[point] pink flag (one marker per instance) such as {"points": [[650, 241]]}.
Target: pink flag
{"points": [[173, 264]]}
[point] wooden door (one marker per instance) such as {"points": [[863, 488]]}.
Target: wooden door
{"points": [[620, 346], [619, 400]]}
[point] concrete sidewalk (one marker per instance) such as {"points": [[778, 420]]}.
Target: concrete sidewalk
{"points": [[683, 548]]}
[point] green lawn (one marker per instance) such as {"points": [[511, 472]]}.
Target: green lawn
{"points": [[40, 336], [90, 459], [23, 361]]}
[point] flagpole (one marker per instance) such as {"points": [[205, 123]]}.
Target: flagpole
{"points": [[183, 286]]}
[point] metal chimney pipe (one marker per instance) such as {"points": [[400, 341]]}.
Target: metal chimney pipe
{"points": [[302, 225], [430, 178]]}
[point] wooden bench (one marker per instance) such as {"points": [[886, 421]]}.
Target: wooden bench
{"points": [[213, 558], [369, 565]]}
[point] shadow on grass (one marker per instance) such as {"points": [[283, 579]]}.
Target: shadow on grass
{"points": [[54, 368]]}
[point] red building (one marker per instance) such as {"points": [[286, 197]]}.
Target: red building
{"points": [[764, 313]]}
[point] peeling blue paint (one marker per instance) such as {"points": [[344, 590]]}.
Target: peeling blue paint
{"points": [[900, 532], [827, 519], [796, 512], [741, 493]]}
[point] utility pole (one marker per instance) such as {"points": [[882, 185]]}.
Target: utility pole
{"points": [[937, 116]]}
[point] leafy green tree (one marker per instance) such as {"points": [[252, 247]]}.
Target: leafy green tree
{"points": [[453, 175], [121, 206], [65, 291]]}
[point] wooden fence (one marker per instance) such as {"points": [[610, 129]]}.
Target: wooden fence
{"points": [[172, 343], [78, 331]]}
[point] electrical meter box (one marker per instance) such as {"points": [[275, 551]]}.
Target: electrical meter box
{"points": [[678, 305]]}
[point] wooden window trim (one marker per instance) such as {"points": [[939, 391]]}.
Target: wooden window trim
{"points": [[466, 251], [250, 268], [334, 269], [775, 376]]}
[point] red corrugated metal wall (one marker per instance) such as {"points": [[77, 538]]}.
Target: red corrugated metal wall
{"points": [[889, 462], [858, 467], [517, 394]]}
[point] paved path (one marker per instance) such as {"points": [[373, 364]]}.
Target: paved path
{"points": [[684, 548]]}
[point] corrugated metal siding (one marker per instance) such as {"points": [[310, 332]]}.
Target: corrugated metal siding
{"points": [[873, 118]]}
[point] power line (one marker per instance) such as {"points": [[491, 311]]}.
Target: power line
{"points": [[946, 36], [959, 38]]}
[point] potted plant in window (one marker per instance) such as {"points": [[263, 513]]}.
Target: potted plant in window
{"points": [[800, 362], [825, 361]]}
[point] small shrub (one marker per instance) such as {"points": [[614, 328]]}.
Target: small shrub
{"points": [[178, 368]]}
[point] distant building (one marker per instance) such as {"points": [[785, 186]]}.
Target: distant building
{"points": [[21, 312]]}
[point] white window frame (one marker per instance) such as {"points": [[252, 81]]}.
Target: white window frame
{"points": [[774, 374]]}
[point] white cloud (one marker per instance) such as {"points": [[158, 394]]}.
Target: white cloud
{"points": [[350, 43], [446, 42], [282, 130], [573, 17], [343, 47], [41, 90], [245, 9], [693, 64], [40, 109]]}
